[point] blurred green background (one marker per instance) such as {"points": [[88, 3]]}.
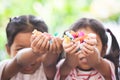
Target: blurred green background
{"points": [[58, 14]]}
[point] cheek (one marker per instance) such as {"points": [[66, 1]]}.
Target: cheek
{"points": [[99, 46], [13, 53]]}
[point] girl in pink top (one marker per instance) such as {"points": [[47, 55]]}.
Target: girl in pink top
{"points": [[89, 61]]}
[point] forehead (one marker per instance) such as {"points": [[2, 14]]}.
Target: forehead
{"points": [[86, 30], [22, 39]]}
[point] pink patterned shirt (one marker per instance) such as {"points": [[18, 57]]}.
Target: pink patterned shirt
{"points": [[77, 74]]}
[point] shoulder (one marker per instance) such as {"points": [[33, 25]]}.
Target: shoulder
{"points": [[110, 63], [2, 66], [3, 63], [112, 68]]}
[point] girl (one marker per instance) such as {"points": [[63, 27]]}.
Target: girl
{"points": [[32, 57], [88, 62]]}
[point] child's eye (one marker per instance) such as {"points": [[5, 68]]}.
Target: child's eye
{"points": [[18, 49]]}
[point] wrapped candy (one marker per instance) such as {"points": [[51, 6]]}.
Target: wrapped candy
{"points": [[36, 32], [75, 36]]}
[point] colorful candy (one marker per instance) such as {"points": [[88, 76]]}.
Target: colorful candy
{"points": [[74, 36], [35, 32]]}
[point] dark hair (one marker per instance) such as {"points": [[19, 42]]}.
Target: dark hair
{"points": [[99, 29], [23, 23], [114, 53]]}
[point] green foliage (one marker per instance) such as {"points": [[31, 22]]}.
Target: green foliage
{"points": [[58, 14]]}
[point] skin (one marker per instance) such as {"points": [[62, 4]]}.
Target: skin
{"points": [[86, 58], [27, 53]]}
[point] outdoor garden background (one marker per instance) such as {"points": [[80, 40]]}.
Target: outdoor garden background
{"points": [[60, 14]]}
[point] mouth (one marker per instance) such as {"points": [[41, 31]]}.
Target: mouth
{"points": [[28, 68]]}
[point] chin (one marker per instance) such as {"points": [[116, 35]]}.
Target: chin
{"points": [[28, 72], [84, 68]]}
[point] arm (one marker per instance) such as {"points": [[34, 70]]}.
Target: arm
{"points": [[91, 51], [23, 57], [65, 70], [51, 58], [71, 60], [104, 68]]}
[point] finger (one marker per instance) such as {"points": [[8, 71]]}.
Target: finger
{"points": [[54, 45], [87, 51], [92, 35], [44, 45], [89, 47], [32, 38], [58, 43], [71, 49], [91, 41], [67, 45], [35, 41], [40, 42], [47, 45], [84, 53], [76, 49], [50, 47]]}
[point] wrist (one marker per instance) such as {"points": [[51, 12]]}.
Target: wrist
{"points": [[35, 53], [65, 70], [99, 63], [68, 65]]}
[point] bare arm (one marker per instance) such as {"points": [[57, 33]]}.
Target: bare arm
{"points": [[65, 69], [94, 59], [50, 65], [71, 60], [51, 58], [104, 68], [23, 58]]}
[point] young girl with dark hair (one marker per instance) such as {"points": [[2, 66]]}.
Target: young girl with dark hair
{"points": [[33, 57], [89, 61]]}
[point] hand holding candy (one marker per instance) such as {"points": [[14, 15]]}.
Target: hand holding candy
{"points": [[74, 36]]}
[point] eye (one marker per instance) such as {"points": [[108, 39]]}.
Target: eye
{"points": [[17, 49]]}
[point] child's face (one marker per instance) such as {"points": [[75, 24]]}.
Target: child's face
{"points": [[22, 40], [83, 61]]}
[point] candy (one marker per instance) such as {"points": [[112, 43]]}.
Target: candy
{"points": [[56, 34], [69, 35], [75, 36], [67, 39], [36, 32]]}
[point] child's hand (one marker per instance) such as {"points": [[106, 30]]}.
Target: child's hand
{"points": [[72, 54], [54, 51], [40, 44], [90, 50], [56, 45]]}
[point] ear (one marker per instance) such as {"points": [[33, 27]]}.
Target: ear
{"points": [[104, 50], [7, 49]]}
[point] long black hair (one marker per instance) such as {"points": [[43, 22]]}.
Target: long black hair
{"points": [[114, 52]]}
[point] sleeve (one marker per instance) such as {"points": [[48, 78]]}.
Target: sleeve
{"points": [[112, 68], [57, 75], [2, 66]]}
